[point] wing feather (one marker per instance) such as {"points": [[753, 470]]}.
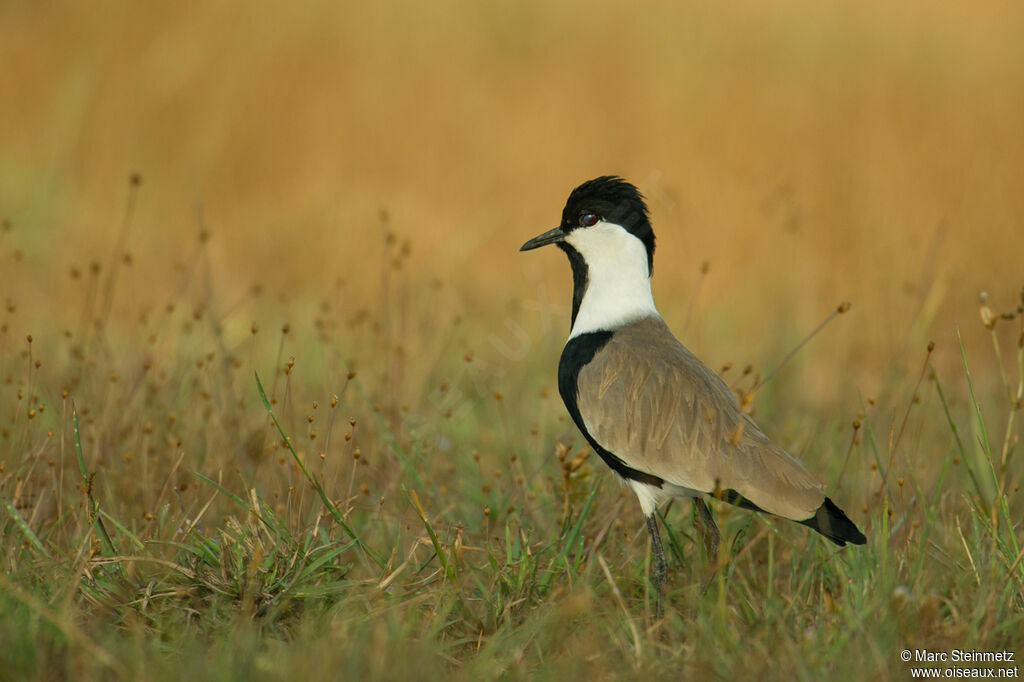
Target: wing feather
{"points": [[680, 422]]}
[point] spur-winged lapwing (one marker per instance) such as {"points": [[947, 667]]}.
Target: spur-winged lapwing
{"points": [[658, 416]]}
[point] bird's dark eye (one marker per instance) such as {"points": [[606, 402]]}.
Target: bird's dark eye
{"points": [[589, 219]]}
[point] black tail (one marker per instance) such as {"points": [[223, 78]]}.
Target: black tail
{"points": [[831, 522]]}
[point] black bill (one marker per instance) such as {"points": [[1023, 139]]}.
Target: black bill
{"points": [[549, 237]]}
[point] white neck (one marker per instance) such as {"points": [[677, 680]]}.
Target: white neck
{"points": [[618, 282]]}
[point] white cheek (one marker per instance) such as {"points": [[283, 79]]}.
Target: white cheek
{"points": [[607, 245], [618, 280]]}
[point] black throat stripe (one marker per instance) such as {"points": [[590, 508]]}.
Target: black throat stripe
{"points": [[580, 279], [578, 352]]}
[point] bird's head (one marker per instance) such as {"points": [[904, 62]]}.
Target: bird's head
{"points": [[604, 219]]}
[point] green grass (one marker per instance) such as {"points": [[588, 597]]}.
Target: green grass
{"points": [[184, 498], [418, 504]]}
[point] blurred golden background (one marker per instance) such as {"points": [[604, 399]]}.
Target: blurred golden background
{"points": [[809, 152]]}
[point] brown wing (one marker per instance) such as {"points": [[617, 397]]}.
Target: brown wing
{"points": [[679, 421]]}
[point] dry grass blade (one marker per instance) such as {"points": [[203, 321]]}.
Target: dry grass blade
{"points": [[634, 631], [840, 309]]}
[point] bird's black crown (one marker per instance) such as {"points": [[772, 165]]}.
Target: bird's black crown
{"points": [[614, 200]]}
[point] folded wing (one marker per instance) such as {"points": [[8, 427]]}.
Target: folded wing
{"points": [[680, 422]]}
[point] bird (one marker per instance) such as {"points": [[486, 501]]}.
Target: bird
{"points": [[664, 422]]}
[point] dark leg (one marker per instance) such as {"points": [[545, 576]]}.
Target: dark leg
{"points": [[659, 567], [707, 528]]}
